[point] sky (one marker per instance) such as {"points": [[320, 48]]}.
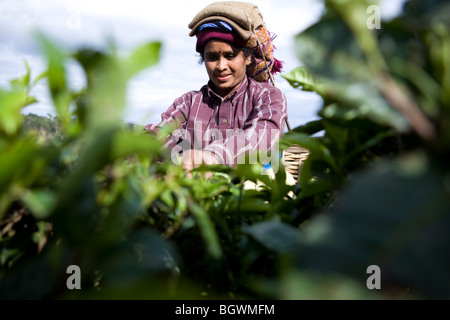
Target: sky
{"points": [[77, 23]]}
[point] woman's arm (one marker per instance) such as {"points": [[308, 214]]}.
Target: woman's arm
{"points": [[260, 133]]}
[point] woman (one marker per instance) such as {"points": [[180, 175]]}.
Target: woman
{"points": [[237, 114]]}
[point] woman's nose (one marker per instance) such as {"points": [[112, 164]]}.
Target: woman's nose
{"points": [[221, 63]]}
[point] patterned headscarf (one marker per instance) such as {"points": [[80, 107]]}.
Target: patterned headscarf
{"points": [[261, 41]]}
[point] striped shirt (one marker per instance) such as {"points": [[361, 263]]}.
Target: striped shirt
{"points": [[247, 122]]}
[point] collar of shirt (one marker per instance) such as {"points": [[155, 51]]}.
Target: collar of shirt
{"points": [[242, 87]]}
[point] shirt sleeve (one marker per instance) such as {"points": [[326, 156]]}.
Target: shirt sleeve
{"points": [[260, 133], [176, 116]]}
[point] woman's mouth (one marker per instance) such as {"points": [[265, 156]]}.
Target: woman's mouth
{"points": [[223, 78]]}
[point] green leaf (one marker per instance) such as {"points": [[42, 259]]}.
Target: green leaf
{"points": [[9, 255], [310, 128], [166, 196], [248, 171], [128, 143], [22, 84], [144, 255], [362, 100], [307, 285], [314, 145], [11, 103], [76, 219], [314, 181], [56, 75], [300, 77], [40, 202], [275, 236], [329, 50], [338, 136], [368, 144], [249, 206], [105, 96], [207, 230], [40, 77], [16, 162], [143, 57]]}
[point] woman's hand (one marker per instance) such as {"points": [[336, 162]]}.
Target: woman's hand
{"points": [[194, 158]]}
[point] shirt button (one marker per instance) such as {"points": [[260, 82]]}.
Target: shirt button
{"points": [[224, 120]]}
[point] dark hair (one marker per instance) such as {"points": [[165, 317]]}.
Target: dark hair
{"points": [[247, 53]]}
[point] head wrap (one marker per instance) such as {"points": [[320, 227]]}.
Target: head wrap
{"points": [[263, 61], [247, 30], [217, 30]]}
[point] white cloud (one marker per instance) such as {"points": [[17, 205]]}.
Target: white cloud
{"points": [[390, 9]]}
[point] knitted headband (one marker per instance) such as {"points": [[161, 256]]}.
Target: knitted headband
{"points": [[217, 30], [246, 22]]}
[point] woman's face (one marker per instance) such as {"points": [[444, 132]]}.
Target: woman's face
{"points": [[226, 66]]}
